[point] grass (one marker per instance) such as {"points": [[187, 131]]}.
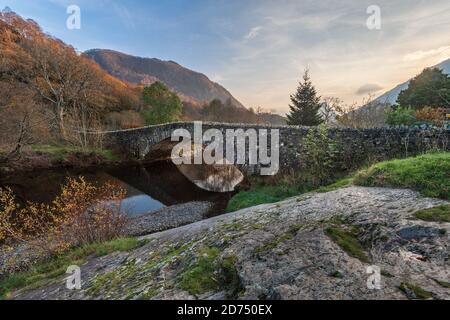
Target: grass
{"points": [[348, 242], [261, 194], [62, 152], [437, 214], [46, 272], [418, 292], [337, 185], [429, 174]]}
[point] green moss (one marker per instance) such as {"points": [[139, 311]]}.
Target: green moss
{"points": [[427, 174], [46, 272], [63, 152], [209, 273], [337, 274], [348, 241], [417, 292], [386, 274], [443, 284], [438, 214], [149, 294], [129, 272], [201, 277], [275, 242]]}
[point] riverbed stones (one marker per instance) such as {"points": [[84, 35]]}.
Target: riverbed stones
{"points": [[169, 217]]}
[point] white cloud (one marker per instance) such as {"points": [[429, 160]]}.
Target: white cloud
{"points": [[253, 33]]}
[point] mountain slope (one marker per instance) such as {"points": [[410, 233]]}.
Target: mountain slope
{"points": [[391, 96], [147, 70]]}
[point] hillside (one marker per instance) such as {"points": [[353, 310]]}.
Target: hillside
{"points": [[139, 70], [51, 93], [391, 96]]}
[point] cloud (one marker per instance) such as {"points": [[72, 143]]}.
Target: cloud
{"points": [[420, 55], [368, 88], [253, 33]]}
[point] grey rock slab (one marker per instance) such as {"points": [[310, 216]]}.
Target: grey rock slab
{"points": [[281, 251]]}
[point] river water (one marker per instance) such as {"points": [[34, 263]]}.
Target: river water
{"points": [[148, 188]]}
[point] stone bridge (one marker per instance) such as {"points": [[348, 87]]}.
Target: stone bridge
{"points": [[353, 145]]}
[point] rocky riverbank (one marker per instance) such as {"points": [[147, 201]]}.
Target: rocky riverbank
{"points": [[169, 218], [316, 246]]}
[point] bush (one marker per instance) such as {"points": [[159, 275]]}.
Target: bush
{"points": [[430, 115], [81, 214], [401, 116], [322, 153]]}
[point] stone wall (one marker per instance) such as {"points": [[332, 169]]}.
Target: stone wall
{"points": [[356, 146]]}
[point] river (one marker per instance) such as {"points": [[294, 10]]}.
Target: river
{"points": [[148, 188]]}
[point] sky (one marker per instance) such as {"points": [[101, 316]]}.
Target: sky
{"points": [[258, 49]]}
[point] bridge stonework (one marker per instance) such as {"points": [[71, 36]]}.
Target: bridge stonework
{"points": [[356, 145]]}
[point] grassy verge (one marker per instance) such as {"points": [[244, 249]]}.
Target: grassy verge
{"points": [[46, 272], [429, 174], [260, 194], [337, 185], [62, 152], [437, 214]]}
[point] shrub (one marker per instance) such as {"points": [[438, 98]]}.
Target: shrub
{"points": [[81, 214], [321, 154], [401, 116], [430, 115]]}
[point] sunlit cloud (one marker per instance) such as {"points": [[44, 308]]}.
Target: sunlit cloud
{"points": [[441, 52]]}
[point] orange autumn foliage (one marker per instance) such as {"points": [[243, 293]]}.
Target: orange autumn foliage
{"points": [[433, 115], [81, 214], [64, 85]]}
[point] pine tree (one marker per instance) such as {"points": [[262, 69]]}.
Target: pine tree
{"points": [[305, 104]]}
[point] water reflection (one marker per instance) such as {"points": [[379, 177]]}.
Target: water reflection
{"points": [[148, 188]]}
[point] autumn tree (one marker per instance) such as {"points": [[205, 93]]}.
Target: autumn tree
{"points": [[75, 91], [305, 106]]}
